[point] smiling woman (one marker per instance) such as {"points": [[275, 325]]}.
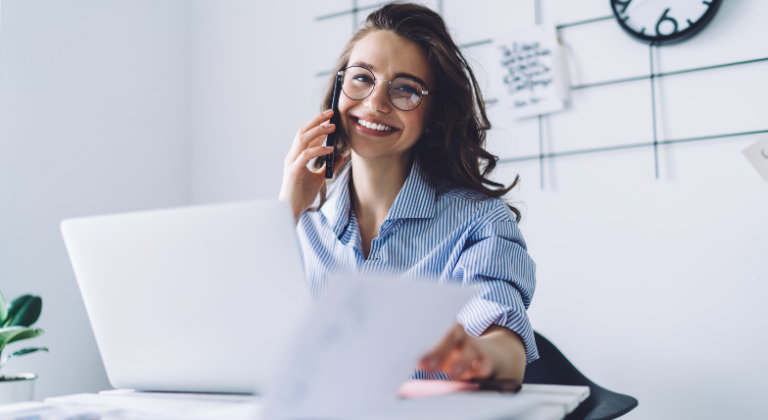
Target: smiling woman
{"points": [[413, 198]]}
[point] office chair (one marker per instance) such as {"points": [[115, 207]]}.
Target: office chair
{"points": [[553, 368]]}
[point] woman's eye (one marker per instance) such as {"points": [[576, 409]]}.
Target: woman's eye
{"points": [[361, 78], [406, 89]]}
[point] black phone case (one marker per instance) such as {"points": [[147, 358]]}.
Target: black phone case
{"points": [[331, 140]]}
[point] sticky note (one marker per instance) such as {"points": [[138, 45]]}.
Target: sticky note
{"points": [[528, 75], [757, 154]]}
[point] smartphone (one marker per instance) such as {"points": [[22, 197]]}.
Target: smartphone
{"points": [[331, 140]]}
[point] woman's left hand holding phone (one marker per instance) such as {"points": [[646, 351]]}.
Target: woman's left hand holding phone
{"points": [[300, 184]]}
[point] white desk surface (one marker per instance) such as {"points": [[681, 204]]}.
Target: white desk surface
{"points": [[554, 403]]}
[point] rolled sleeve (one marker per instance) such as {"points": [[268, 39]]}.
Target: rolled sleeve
{"points": [[496, 260]]}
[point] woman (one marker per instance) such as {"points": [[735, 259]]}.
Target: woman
{"points": [[411, 195]]}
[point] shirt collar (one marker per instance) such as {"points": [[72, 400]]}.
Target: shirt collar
{"points": [[416, 199]]}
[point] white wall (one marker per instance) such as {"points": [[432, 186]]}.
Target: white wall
{"points": [[94, 118], [650, 286], [248, 96]]}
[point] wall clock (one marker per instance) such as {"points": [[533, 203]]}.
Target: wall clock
{"points": [[659, 22]]}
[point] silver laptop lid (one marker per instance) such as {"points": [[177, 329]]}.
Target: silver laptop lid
{"points": [[202, 298]]}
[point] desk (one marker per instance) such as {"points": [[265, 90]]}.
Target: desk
{"points": [[553, 402]]}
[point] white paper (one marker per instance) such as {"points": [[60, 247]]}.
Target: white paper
{"points": [[361, 343], [757, 154], [528, 73]]}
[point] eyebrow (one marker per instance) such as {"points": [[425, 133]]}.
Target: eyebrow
{"points": [[372, 68]]}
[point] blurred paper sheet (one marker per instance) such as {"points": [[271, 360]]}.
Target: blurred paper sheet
{"points": [[757, 154], [361, 343]]}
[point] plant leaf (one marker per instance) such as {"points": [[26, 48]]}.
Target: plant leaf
{"points": [[11, 334], [14, 307], [26, 313], [22, 352], [3, 309]]}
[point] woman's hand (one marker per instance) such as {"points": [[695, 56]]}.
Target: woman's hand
{"points": [[300, 184], [498, 353]]}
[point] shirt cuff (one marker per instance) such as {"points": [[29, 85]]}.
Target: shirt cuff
{"points": [[479, 314]]}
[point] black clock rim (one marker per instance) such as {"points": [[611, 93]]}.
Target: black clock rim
{"points": [[676, 37]]}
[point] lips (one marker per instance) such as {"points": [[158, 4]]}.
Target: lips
{"points": [[372, 126]]}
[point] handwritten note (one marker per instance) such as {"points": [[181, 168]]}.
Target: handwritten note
{"points": [[757, 154], [362, 342], [528, 74]]}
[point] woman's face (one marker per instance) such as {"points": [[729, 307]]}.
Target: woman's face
{"points": [[387, 55]]}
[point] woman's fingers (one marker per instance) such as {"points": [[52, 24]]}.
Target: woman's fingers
{"points": [[459, 363], [316, 120], [469, 362], [459, 355], [308, 154], [319, 132], [310, 138], [435, 358]]}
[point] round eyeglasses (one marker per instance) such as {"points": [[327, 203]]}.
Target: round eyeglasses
{"points": [[404, 92]]}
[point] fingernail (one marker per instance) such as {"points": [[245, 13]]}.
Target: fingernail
{"points": [[327, 111], [330, 125]]}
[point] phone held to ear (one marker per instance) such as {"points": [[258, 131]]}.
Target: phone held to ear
{"points": [[331, 140]]}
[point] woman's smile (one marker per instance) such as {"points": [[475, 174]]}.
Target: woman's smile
{"points": [[372, 126]]}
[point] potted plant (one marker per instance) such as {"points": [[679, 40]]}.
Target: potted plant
{"points": [[15, 322]]}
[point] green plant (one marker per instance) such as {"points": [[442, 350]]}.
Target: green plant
{"points": [[15, 322]]}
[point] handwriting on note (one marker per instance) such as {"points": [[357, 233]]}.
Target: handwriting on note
{"points": [[529, 74], [757, 155]]}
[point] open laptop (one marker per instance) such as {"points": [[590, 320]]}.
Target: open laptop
{"points": [[201, 299]]}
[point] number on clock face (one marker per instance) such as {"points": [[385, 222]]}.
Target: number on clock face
{"points": [[662, 21]]}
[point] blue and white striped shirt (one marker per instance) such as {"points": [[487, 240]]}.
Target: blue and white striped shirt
{"points": [[453, 235]]}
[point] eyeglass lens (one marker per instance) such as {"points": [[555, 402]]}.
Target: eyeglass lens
{"points": [[404, 92]]}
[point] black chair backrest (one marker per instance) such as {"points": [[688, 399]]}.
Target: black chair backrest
{"points": [[553, 367]]}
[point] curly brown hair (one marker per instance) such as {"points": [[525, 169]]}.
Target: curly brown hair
{"points": [[451, 149]]}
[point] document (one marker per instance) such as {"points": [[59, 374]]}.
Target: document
{"points": [[528, 75], [362, 342], [757, 154]]}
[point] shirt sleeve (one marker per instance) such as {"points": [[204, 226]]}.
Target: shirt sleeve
{"points": [[495, 259]]}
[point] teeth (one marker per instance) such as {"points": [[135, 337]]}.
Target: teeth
{"points": [[372, 126]]}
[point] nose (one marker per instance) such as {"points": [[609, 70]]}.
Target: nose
{"points": [[378, 100]]}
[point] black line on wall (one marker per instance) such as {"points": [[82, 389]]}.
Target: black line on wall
{"points": [[354, 10], [541, 151], [653, 110], [629, 146], [671, 73], [476, 43], [537, 14], [583, 22]]}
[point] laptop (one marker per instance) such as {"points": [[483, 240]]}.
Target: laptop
{"points": [[192, 299]]}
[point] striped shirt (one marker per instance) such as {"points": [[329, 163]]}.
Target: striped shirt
{"points": [[454, 235]]}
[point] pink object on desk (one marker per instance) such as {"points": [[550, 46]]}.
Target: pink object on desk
{"points": [[432, 388]]}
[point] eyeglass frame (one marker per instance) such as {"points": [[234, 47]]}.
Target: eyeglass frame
{"points": [[389, 88]]}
